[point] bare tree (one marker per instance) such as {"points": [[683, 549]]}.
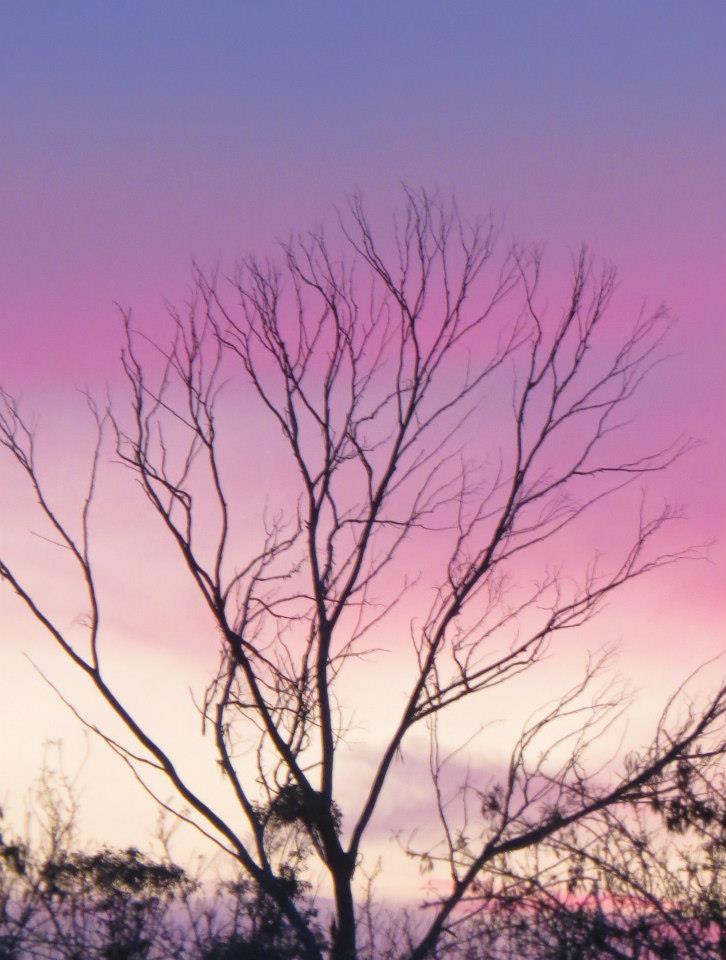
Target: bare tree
{"points": [[425, 402]]}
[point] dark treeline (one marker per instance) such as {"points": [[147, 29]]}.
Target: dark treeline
{"points": [[638, 888]]}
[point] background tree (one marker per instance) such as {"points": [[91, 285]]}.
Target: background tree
{"points": [[429, 408], [60, 901], [641, 883]]}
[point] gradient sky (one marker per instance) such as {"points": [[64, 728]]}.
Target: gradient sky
{"points": [[135, 137]]}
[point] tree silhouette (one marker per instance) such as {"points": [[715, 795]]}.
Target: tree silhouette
{"points": [[61, 902], [58, 902], [646, 886], [430, 408]]}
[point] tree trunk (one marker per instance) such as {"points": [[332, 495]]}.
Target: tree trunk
{"points": [[344, 940]]}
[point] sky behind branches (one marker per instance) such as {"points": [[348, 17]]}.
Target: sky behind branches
{"points": [[137, 137]]}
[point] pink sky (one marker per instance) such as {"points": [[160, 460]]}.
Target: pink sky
{"points": [[134, 143]]}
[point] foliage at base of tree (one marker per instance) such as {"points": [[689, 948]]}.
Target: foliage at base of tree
{"points": [[647, 886], [60, 902]]}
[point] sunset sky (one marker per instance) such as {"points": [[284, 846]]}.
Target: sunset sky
{"points": [[136, 138]]}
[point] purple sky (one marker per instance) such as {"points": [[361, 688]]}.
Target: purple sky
{"points": [[136, 137]]}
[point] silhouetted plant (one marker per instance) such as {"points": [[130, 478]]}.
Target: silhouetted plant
{"points": [[383, 370]]}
